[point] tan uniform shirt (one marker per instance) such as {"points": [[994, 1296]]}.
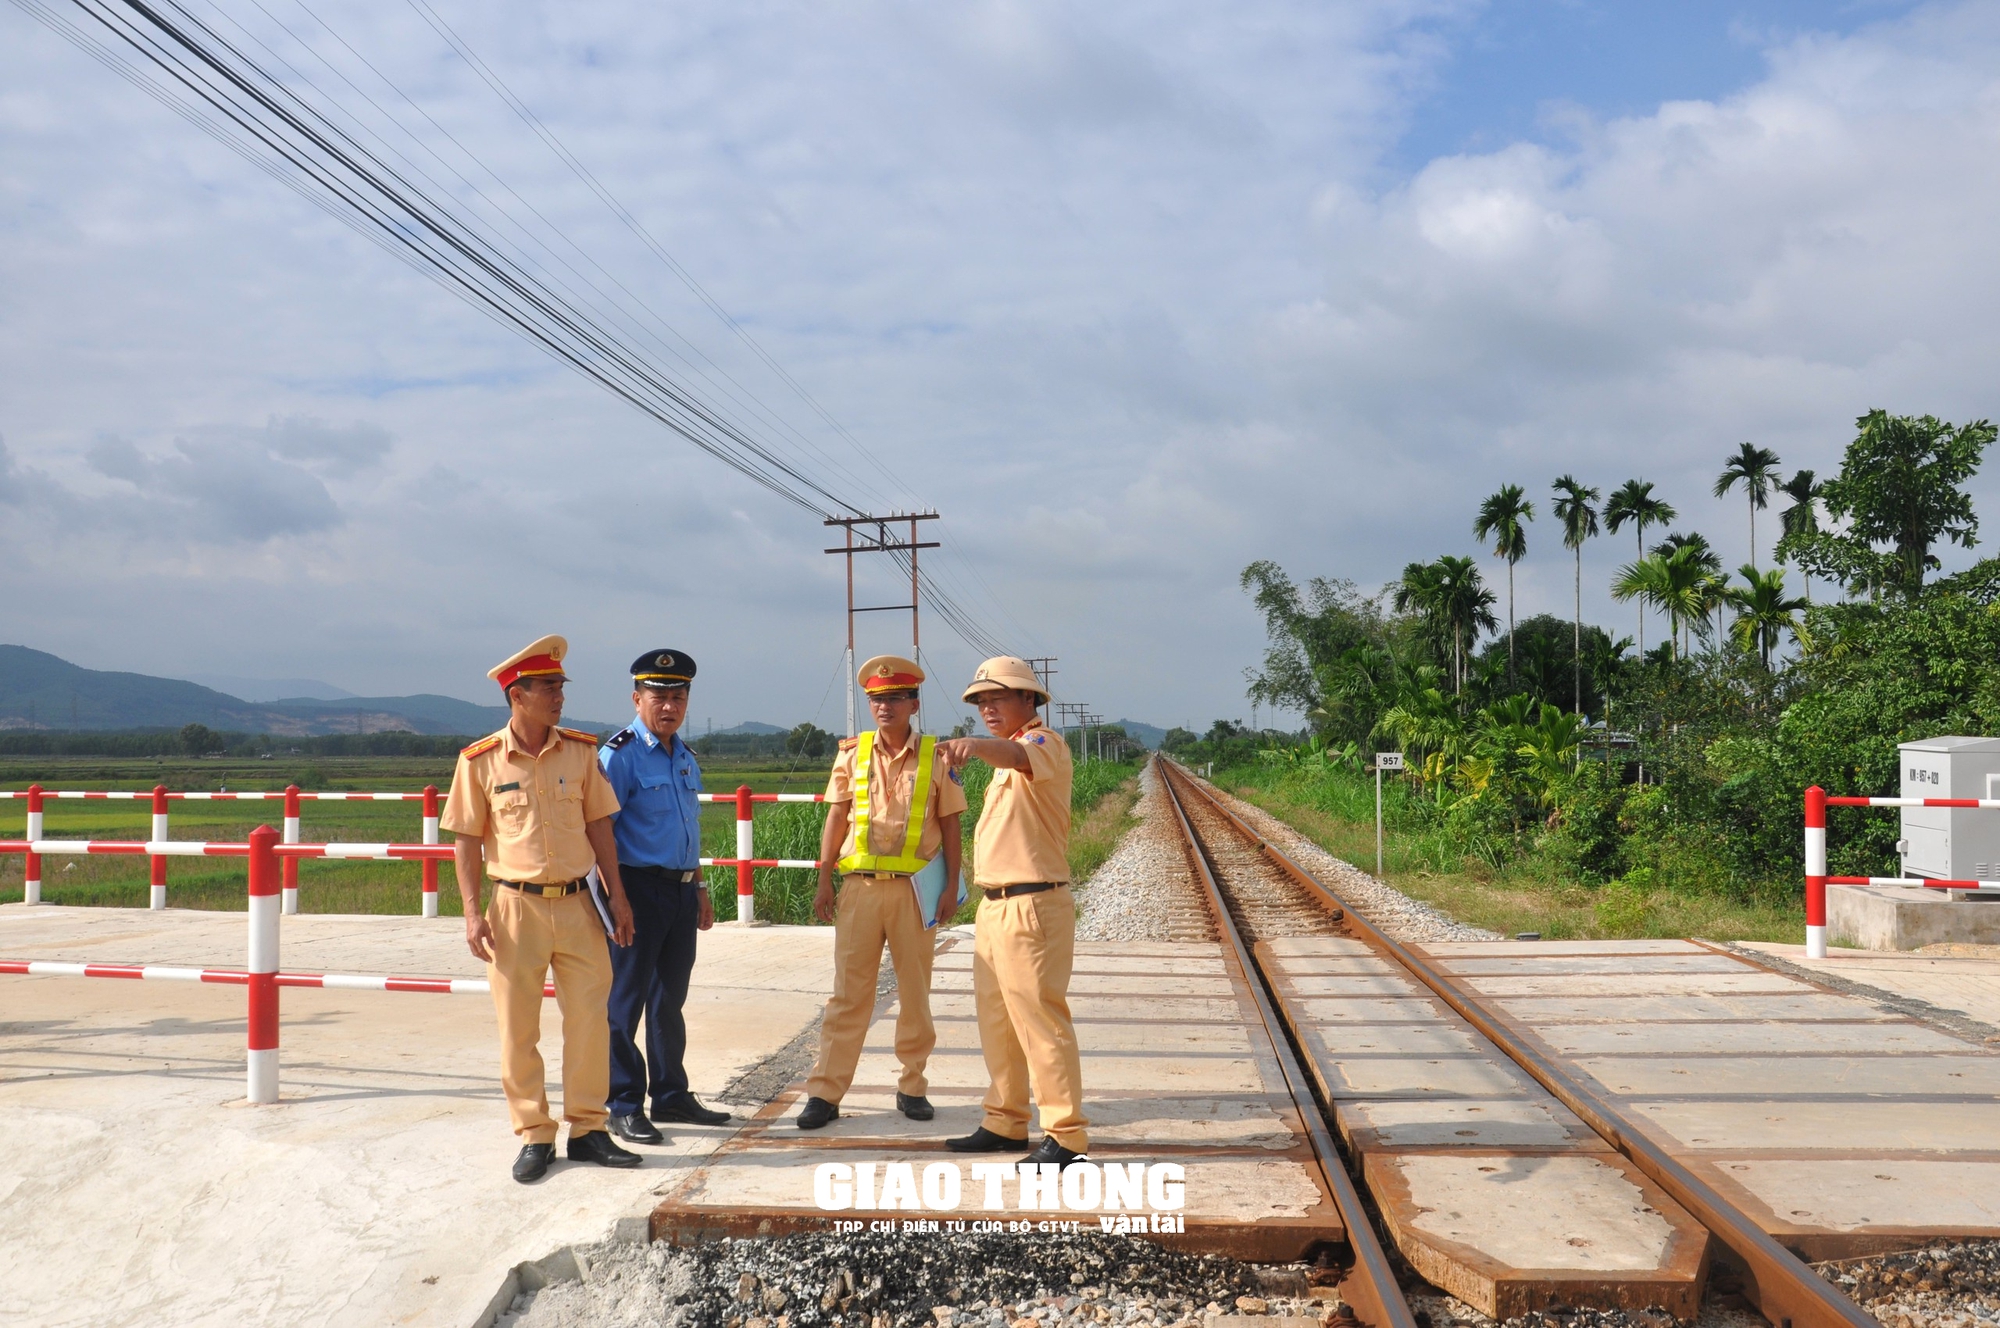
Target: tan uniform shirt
{"points": [[530, 807], [1023, 832], [891, 784]]}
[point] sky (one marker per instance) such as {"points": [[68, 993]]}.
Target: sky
{"points": [[1132, 295]]}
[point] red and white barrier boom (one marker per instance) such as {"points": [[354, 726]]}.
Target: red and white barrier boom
{"points": [[1817, 801], [746, 860], [160, 846], [260, 976]]}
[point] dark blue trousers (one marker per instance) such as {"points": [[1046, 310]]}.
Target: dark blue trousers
{"points": [[650, 976]]}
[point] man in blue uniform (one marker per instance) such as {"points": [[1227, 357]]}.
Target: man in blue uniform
{"points": [[658, 833]]}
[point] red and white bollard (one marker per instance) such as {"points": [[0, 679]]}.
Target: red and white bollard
{"points": [[430, 837], [31, 871], [262, 968], [1815, 872], [746, 888], [290, 870], [158, 861]]}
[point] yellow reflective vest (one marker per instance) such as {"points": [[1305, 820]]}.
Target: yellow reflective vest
{"points": [[906, 863]]}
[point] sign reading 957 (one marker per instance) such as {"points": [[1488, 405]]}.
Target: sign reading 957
{"points": [[1388, 760]]}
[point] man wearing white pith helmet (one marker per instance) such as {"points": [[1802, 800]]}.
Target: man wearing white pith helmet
{"points": [[1025, 941]]}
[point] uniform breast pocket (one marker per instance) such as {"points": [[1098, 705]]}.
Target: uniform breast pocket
{"points": [[510, 809], [568, 812]]}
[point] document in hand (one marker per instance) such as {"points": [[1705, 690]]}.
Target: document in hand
{"points": [[929, 885]]}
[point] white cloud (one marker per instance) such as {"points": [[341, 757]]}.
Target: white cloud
{"points": [[1125, 291]]}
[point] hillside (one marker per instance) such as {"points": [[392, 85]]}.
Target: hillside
{"points": [[43, 691]]}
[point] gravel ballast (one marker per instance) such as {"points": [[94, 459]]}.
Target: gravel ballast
{"points": [[1143, 891], [1394, 912], [882, 1280]]}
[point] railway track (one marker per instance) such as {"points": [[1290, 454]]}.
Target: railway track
{"points": [[1257, 895]]}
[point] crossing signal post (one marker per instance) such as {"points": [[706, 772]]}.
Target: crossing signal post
{"points": [[1383, 761]]}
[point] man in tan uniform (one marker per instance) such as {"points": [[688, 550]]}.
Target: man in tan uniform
{"points": [[1026, 938], [530, 806], [877, 779]]}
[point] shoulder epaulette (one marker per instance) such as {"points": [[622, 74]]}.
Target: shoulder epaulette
{"points": [[849, 744], [578, 735], [480, 747], [619, 739]]}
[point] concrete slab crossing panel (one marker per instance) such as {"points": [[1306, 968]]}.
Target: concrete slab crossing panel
{"points": [[1692, 1009], [1795, 1127], [1772, 1039], [1704, 962], [1743, 981], [1510, 1234], [1967, 1072], [1510, 949]]}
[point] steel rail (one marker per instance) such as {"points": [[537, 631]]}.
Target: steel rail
{"points": [[1788, 1293], [1370, 1287]]}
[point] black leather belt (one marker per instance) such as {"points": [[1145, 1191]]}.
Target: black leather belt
{"points": [[671, 875], [545, 891], [1030, 888]]}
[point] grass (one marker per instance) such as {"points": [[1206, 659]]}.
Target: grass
{"points": [[1513, 900], [784, 830], [1094, 834]]}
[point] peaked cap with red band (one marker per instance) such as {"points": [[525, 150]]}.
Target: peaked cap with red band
{"points": [[889, 673], [543, 659]]}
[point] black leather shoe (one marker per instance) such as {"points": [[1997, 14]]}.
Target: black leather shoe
{"points": [[533, 1162], [597, 1147], [686, 1109], [983, 1140], [636, 1129], [916, 1108], [1048, 1150], [816, 1113]]}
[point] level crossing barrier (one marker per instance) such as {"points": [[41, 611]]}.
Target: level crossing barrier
{"points": [[159, 847], [260, 975], [1817, 880]]}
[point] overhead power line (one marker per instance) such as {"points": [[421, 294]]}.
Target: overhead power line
{"points": [[307, 138]]}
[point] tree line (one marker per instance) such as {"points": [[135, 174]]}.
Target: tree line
{"points": [[1534, 730]]}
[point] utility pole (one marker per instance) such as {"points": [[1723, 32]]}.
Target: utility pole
{"points": [[880, 542], [1098, 722], [1074, 710], [1045, 669]]}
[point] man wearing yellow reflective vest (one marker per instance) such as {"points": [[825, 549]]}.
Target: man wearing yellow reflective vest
{"points": [[891, 808]]}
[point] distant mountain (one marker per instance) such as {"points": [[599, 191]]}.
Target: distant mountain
{"points": [[42, 691], [1146, 735], [753, 727], [259, 690]]}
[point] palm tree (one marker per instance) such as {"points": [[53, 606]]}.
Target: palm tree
{"points": [[1757, 468], [1579, 522], [1709, 579], [1762, 611], [1634, 501], [1801, 519], [1672, 582], [1421, 591], [1468, 609], [1504, 519]]}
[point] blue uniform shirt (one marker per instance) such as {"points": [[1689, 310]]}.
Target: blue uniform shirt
{"points": [[658, 823]]}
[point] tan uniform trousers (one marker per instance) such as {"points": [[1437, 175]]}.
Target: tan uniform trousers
{"points": [[530, 935], [871, 912], [1022, 952]]}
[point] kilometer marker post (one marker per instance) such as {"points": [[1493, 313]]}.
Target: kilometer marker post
{"points": [[1383, 761]]}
